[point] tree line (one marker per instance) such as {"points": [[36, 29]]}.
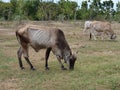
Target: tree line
{"points": [[62, 10]]}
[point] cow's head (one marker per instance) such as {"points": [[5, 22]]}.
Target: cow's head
{"points": [[70, 60]]}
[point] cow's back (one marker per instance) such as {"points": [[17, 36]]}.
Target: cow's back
{"points": [[41, 38], [101, 26]]}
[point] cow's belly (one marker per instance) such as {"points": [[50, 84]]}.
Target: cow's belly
{"points": [[40, 40], [37, 44], [37, 47]]}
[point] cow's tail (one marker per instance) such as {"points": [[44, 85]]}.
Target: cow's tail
{"points": [[18, 37]]}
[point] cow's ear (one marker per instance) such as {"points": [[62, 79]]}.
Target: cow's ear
{"points": [[75, 54], [74, 57]]}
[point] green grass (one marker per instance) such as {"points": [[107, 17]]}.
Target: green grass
{"points": [[91, 73], [97, 68]]}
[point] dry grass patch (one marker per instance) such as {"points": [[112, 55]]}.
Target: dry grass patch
{"points": [[10, 84]]}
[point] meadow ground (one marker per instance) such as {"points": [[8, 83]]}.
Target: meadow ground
{"points": [[97, 66]]}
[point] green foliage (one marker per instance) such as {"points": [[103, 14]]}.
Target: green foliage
{"points": [[63, 10], [67, 8], [5, 10], [117, 15], [83, 13]]}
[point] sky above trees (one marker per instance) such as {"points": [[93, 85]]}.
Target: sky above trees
{"points": [[78, 1]]}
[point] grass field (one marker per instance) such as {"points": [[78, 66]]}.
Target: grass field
{"points": [[97, 66]]}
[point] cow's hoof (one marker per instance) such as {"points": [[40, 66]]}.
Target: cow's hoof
{"points": [[64, 68], [22, 68], [33, 69], [47, 68]]}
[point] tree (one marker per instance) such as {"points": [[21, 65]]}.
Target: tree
{"points": [[83, 12], [6, 10], [67, 8], [118, 6], [107, 8], [63, 10], [95, 9], [30, 8], [117, 15]]}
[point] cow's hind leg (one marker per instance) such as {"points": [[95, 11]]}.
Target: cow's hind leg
{"points": [[19, 53], [25, 54], [46, 58]]}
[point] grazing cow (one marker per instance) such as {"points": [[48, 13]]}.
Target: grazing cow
{"points": [[44, 38], [101, 28]]}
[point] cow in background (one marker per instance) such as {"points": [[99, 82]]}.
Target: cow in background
{"points": [[99, 28]]}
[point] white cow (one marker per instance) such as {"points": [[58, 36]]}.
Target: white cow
{"points": [[100, 28]]}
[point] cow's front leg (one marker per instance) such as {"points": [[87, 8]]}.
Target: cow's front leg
{"points": [[62, 66], [46, 58], [94, 36], [28, 61], [92, 33], [90, 36], [102, 36]]}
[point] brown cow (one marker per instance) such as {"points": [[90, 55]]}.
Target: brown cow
{"points": [[52, 39]]}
